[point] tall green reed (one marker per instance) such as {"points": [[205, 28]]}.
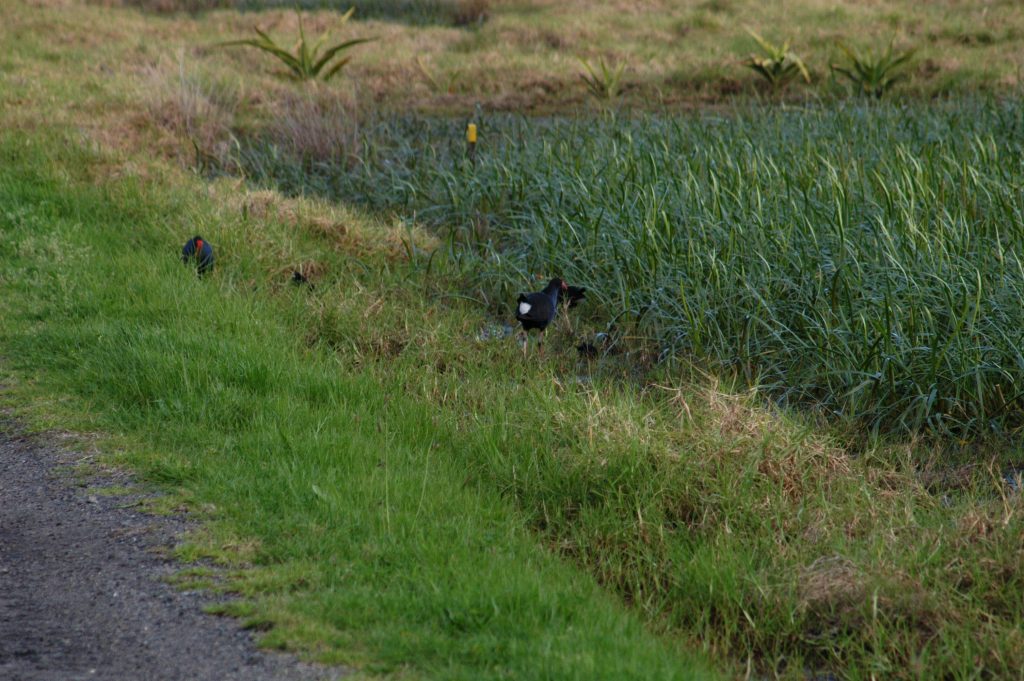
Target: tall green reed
{"points": [[863, 260]]}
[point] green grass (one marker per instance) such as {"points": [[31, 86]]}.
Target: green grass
{"points": [[385, 489], [862, 261], [383, 485], [369, 545]]}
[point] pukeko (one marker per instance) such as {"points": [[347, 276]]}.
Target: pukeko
{"points": [[537, 310], [199, 250], [574, 294]]}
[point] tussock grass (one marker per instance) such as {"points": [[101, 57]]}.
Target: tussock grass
{"points": [[318, 127], [178, 99]]}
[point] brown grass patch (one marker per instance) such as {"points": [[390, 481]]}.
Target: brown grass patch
{"points": [[346, 230], [830, 582], [178, 100], [317, 125]]}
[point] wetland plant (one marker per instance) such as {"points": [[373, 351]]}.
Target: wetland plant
{"points": [[604, 80], [777, 64], [873, 73], [305, 61]]}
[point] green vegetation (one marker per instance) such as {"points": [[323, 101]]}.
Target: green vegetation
{"points": [[524, 57], [777, 64], [382, 478], [602, 82], [874, 74], [370, 468], [345, 498], [306, 63], [891, 294]]}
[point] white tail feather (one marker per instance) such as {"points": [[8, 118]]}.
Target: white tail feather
{"points": [[524, 308]]}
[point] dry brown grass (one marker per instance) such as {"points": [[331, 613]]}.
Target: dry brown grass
{"points": [[344, 229], [524, 59], [316, 125], [831, 582], [177, 99]]}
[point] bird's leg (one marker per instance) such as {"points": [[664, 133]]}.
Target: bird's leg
{"points": [[525, 341], [540, 343]]}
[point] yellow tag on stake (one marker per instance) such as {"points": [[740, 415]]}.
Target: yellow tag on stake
{"points": [[471, 133]]}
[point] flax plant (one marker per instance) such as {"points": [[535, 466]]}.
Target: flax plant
{"points": [[305, 61]]}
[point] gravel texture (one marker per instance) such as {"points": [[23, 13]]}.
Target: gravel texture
{"points": [[82, 590]]}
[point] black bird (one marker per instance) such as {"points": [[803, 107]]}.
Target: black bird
{"points": [[200, 251], [603, 345], [537, 310], [574, 294], [300, 279], [571, 297]]}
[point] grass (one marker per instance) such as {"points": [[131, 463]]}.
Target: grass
{"points": [[384, 487], [525, 56], [348, 504], [379, 502], [891, 294]]}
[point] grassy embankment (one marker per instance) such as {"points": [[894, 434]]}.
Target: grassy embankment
{"points": [[847, 260], [347, 502], [370, 469]]}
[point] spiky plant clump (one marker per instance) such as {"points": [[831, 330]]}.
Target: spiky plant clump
{"points": [[873, 74], [305, 61], [604, 81], [777, 64]]}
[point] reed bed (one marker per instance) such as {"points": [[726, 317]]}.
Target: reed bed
{"points": [[862, 260]]}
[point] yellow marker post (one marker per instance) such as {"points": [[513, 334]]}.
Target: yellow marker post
{"points": [[471, 141]]}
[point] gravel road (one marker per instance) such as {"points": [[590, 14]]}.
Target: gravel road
{"points": [[82, 594]]}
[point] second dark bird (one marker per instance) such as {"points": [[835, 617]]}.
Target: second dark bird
{"points": [[574, 294], [300, 279]]}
